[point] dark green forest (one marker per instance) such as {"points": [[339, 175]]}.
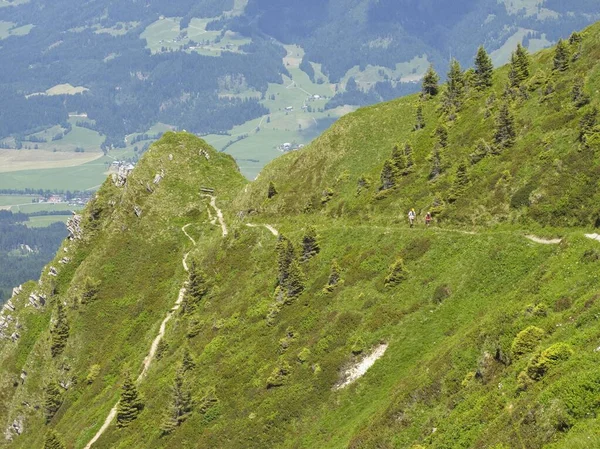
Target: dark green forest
{"points": [[17, 263]]}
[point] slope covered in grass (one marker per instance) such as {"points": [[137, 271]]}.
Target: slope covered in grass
{"points": [[491, 338]]}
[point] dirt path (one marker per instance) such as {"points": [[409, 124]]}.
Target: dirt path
{"points": [[593, 237], [219, 212], [273, 231], [153, 348]]}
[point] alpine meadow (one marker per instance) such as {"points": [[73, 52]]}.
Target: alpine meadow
{"points": [[191, 308]]}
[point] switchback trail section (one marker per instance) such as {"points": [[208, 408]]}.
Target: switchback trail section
{"points": [[152, 353]]}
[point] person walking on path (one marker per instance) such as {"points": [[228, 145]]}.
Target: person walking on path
{"points": [[411, 217], [428, 219]]}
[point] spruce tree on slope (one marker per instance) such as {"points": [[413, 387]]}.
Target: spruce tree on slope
{"points": [[430, 85], [59, 331], [505, 129], [484, 69], [130, 405], [180, 407], [561, 56]]}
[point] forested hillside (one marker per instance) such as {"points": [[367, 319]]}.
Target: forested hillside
{"points": [[192, 308]]}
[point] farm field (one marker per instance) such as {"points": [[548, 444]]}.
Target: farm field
{"points": [[47, 220]]}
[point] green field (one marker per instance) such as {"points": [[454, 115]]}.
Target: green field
{"points": [[10, 29], [44, 221], [10, 200]]}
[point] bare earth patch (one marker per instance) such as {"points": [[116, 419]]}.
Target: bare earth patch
{"points": [[359, 369], [16, 160]]}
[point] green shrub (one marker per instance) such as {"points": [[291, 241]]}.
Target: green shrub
{"points": [[304, 355], [397, 274], [526, 340], [92, 374], [542, 362], [279, 375], [441, 293]]}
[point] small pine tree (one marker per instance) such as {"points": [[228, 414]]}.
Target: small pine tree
{"points": [[130, 405], [397, 274], [295, 282], [53, 440], [519, 66], [310, 244], [335, 276], [399, 159], [441, 133], [408, 154], [455, 91], [482, 150], [484, 69], [561, 56], [180, 407], [578, 95], [436, 163], [420, 119], [196, 289], [461, 182], [59, 332], [187, 362], [52, 401], [272, 191], [286, 254], [430, 83], [587, 123], [505, 128], [389, 175], [575, 38], [89, 290]]}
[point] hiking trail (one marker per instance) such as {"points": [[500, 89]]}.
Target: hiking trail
{"points": [[152, 353], [271, 229], [219, 212]]}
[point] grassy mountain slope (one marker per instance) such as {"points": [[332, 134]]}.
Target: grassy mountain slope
{"points": [[491, 337]]}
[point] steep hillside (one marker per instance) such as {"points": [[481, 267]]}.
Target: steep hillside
{"points": [[301, 311]]}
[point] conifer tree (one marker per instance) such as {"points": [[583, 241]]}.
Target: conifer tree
{"points": [[53, 441], [90, 290], [399, 159], [484, 69], [52, 400], [420, 119], [482, 150], [461, 182], [286, 254], [519, 66], [441, 133], [180, 407], [505, 132], [430, 82], [272, 191], [310, 244], [561, 56], [397, 274], [408, 157], [587, 123], [187, 362], [130, 405], [59, 332], [454, 93], [295, 282], [196, 289], [389, 175], [575, 38], [578, 95], [335, 276], [436, 163]]}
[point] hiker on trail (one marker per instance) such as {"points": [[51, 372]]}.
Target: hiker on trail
{"points": [[428, 219], [411, 217]]}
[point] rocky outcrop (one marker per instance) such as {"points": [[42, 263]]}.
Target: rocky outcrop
{"points": [[37, 300], [159, 177], [64, 260], [205, 154], [138, 211], [74, 227], [52, 272], [120, 178], [16, 428]]}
